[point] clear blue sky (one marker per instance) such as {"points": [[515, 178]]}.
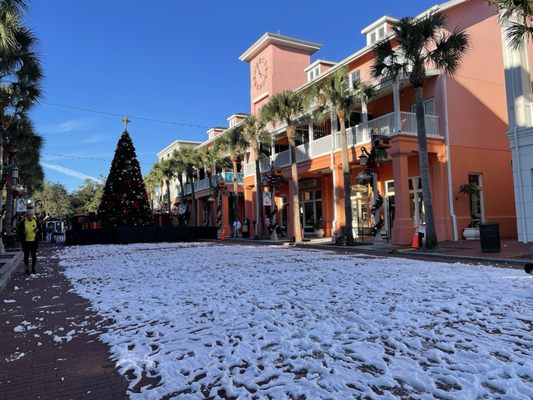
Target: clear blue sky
{"points": [[167, 60]]}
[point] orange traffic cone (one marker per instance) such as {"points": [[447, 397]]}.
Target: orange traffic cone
{"points": [[415, 244], [222, 235]]}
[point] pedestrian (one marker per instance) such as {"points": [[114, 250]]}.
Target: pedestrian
{"points": [[236, 227], [246, 228], [48, 233], [28, 231]]}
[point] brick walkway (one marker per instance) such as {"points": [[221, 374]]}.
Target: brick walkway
{"points": [[48, 346]]}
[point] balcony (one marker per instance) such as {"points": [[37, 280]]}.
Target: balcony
{"points": [[384, 125], [228, 178]]}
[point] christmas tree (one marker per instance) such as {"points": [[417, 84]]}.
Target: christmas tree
{"points": [[124, 202]]}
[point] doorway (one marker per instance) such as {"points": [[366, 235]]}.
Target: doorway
{"points": [[310, 209]]}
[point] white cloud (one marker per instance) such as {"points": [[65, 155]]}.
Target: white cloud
{"points": [[68, 126], [69, 172]]}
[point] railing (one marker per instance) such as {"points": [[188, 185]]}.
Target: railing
{"points": [[282, 159], [384, 125], [228, 177], [302, 152], [264, 166], [201, 184]]}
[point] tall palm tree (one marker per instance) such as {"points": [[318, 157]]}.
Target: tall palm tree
{"points": [[286, 107], [421, 43], [518, 14], [20, 71], [234, 144], [152, 181], [255, 133], [167, 168], [191, 161], [211, 159], [335, 93]]}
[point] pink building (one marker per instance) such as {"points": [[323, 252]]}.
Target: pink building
{"points": [[466, 121]]}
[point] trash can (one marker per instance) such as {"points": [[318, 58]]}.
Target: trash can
{"points": [[489, 237]]}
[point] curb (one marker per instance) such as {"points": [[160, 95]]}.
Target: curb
{"points": [[7, 270]]}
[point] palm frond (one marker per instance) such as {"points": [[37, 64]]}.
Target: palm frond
{"points": [[449, 51]]}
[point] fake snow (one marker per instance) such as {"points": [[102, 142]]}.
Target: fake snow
{"points": [[7, 301], [201, 320]]}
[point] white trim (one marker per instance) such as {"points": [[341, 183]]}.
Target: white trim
{"points": [[268, 38], [383, 20], [319, 62], [260, 97], [243, 115], [163, 152]]}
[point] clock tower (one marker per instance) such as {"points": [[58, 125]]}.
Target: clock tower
{"points": [[277, 63]]}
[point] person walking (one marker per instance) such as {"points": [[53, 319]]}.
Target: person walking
{"points": [[28, 231], [246, 228]]}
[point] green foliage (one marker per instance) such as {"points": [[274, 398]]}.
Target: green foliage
{"points": [[469, 189], [420, 43], [124, 201], [88, 196], [517, 14], [52, 199]]}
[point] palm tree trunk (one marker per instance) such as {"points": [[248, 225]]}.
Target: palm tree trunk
{"points": [[431, 234], [9, 204], [258, 198], [291, 134], [194, 216], [167, 183], [2, 249], [235, 189], [212, 203], [346, 180]]}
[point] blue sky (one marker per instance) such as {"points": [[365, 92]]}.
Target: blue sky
{"points": [[166, 60]]}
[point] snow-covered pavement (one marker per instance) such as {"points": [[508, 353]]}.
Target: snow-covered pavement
{"points": [[194, 321]]}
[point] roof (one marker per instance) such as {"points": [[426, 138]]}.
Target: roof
{"points": [[286, 41]]}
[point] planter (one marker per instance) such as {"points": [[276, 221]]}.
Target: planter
{"points": [[319, 233], [471, 233]]}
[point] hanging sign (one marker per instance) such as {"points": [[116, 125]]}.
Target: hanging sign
{"points": [[22, 205], [267, 199]]}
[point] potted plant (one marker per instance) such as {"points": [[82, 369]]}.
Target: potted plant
{"points": [[471, 232], [319, 229]]}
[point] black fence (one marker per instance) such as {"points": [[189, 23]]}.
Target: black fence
{"points": [[140, 235]]}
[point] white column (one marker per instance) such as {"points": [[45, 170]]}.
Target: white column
{"points": [[311, 135], [364, 121], [334, 130], [396, 99]]}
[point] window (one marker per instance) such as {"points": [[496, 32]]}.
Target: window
{"points": [[373, 37], [429, 107], [416, 201], [232, 123], [381, 32]]}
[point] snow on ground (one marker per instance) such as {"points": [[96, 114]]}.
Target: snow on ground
{"points": [[194, 321]]}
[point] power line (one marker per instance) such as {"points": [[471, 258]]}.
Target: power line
{"points": [[111, 114], [72, 156]]}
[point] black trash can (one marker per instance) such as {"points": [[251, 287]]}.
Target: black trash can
{"points": [[489, 237]]}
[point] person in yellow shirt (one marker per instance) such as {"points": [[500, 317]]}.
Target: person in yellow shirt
{"points": [[28, 231]]}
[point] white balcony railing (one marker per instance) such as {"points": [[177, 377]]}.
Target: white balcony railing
{"points": [[320, 146], [201, 184], [384, 125]]}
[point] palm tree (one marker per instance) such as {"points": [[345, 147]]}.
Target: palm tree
{"points": [[421, 42], [167, 168], [234, 144], [286, 107], [191, 161], [255, 133], [211, 159], [20, 71], [517, 13], [335, 93], [152, 181]]}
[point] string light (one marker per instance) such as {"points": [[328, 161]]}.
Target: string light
{"points": [[84, 158], [111, 114]]}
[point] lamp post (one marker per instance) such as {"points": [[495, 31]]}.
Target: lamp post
{"points": [[369, 160]]}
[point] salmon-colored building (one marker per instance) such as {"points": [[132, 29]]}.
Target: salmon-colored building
{"points": [[466, 122]]}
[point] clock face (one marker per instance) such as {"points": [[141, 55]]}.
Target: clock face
{"points": [[260, 73]]}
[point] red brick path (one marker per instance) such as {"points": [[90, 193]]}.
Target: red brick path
{"points": [[77, 369]]}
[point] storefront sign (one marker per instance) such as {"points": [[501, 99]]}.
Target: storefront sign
{"points": [[21, 205]]}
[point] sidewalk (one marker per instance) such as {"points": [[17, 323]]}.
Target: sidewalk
{"points": [[512, 254], [49, 349]]}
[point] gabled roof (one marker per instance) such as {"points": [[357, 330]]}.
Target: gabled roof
{"points": [[272, 38]]}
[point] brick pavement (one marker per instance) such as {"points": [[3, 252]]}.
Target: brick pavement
{"points": [[37, 360]]}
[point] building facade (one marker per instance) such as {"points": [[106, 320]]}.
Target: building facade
{"points": [[466, 122]]}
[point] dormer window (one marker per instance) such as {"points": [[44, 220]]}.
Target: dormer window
{"points": [[376, 34], [313, 73], [232, 123]]}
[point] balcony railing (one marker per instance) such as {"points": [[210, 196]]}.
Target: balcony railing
{"points": [[384, 125], [228, 177]]}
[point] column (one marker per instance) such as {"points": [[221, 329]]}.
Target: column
{"points": [[396, 98], [364, 122], [403, 229], [225, 215]]}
